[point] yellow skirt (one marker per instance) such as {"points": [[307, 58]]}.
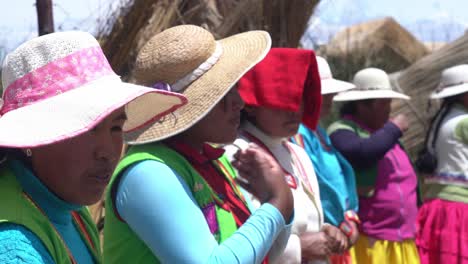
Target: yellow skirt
{"points": [[373, 251]]}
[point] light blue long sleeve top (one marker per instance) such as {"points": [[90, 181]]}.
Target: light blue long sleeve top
{"points": [[161, 210], [19, 245]]}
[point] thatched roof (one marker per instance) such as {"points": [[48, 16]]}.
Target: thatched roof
{"points": [[433, 46], [419, 80], [286, 21], [382, 43]]}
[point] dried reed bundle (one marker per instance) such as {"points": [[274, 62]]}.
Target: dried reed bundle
{"points": [[379, 43], [286, 21]]}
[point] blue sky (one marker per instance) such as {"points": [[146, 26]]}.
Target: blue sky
{"points": [[18, 20], [429, 20], [405, 10]]}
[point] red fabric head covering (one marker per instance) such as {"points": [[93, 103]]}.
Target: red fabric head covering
{"points": [[282, 80]]}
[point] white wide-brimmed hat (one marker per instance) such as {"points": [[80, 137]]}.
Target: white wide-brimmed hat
{"points": [[371, 83], [192, 62], [60, 85], [454, 80], [328, 83]]}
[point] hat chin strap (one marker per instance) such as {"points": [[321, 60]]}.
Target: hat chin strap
{"points": [[199, 71]]}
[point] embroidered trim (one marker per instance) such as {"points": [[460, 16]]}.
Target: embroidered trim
{"points": [[448, 178]]}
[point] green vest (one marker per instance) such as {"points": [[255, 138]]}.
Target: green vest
{"points": [[121, 244], [17, 208], [365, 178]]}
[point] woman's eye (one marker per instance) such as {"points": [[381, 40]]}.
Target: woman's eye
{"points": [[116, 129]]}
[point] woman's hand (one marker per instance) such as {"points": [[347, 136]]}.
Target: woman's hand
{"points": [[401, 121], [261, 175], [315, 245], [355, 235], [338, 240]]}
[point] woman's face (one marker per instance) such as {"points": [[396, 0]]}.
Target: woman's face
{"points": [[221, 124], [375, 113], [327, 103], [78, 169], [274, 122], [464, 99]]}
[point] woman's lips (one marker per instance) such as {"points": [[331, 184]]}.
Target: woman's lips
{"points": [[102, 176]]}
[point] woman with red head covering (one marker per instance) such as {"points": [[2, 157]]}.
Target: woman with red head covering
{"points": [[280, 93]]}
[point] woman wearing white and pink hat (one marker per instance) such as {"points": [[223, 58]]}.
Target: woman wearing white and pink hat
{"points": [[334, 173], [442, 235], [61, 127]]}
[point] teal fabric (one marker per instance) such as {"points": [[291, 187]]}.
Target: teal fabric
{"points": [[159, 227], [18, 245], [335, 176], [57, 210]]}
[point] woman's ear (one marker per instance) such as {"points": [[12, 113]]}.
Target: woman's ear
{"points": [[248, 114], [249, 110]]}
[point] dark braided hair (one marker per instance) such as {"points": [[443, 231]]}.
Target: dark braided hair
{"points": [[427, 159]]}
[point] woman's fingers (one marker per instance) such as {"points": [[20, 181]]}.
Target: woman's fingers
{"points": [[244, 184]]}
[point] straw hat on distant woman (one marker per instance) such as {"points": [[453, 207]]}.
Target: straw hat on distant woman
{"points": [[173, 198], [61, 126], [443, 218], [386, 182]]}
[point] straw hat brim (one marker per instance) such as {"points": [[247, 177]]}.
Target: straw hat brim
{"points": [[240, 53], [355, 95], [450, 91], [79, 110], [335, 86]]}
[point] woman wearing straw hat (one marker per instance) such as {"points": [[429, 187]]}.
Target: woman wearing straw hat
{"points": [[334, 173], [60, 138], [281, 92], [173, 198], [385, 178], [443, 218]]}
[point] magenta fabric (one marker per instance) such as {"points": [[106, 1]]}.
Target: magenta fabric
{"points": [[442, 235], [57, 77], [390, 214]]}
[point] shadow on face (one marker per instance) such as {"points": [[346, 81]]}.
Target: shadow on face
{"points": [[375, 112], [78, 169], [221, 124], [463, 99], [275, 122], [327, 103]]}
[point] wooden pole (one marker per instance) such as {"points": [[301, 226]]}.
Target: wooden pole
{"points": [[45, 18]]}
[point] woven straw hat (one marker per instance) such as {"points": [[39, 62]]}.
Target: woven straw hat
{"points": [[371, 83], [192, 62], [60, 85], [454, 80], [328, 83]]}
